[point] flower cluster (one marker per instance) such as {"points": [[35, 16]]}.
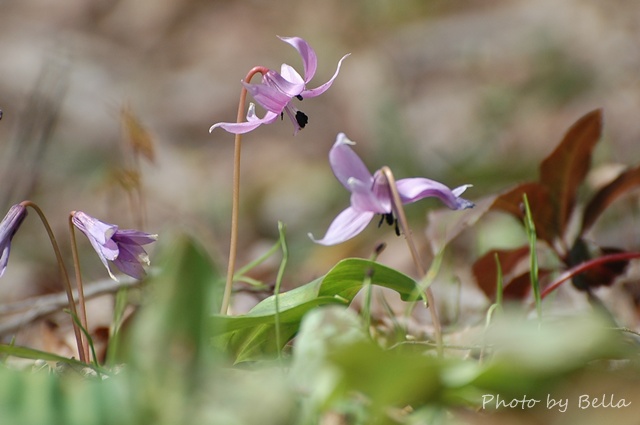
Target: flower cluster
{"points": [[370, 194]]}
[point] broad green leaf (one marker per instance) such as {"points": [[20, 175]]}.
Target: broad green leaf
{"points": [[245, 335], [564, 170], [179, 301]]}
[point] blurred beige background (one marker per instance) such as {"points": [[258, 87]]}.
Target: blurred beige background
{"points": [[459, 91]]}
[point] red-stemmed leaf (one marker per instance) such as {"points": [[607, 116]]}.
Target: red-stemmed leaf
{"points": [[625, 182], [486, 272], [601, 274], [564, 170], [541, 210]]}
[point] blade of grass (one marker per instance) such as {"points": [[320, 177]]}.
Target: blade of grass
{"points": [[531, 236], [114, 331], [283, 264]]}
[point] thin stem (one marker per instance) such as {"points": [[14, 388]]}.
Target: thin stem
{"points": [[235, 203], [582, 267], [404, 225], [81, 343], [76, 265]]}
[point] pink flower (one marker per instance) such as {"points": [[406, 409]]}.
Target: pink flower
{"points": [[276, 92], [371, 195]]}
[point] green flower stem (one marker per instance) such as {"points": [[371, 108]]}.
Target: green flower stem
{"points": [[76, 265], [404, 225], [235, 204], [81, 343]]}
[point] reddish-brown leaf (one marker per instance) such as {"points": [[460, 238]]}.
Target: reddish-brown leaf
{"points": [[486, 272], [564, 170], [626, 181], [541, 210]]}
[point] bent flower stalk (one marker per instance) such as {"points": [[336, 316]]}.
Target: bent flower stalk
{"points": [[276, 92], [371, 195], [8, 228], [122, 247]]}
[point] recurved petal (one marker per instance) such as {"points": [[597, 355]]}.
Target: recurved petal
{"points": [[345, 226], [251, 124], [323, 88], [347, 165], [309, 58], [414, 189]]}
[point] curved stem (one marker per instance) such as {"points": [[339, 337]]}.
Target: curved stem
{"points": [[404, 224], [582, 267], [76, 265], [80, 341], [235, 204]]}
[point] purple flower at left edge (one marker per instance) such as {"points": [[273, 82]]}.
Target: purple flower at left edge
{"points": [[8, 227], [122, 247], [277, 90], [371, 194]]}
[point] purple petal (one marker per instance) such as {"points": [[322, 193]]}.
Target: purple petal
{"points": [[269, 97], [8, 228], [309, 58], [347, 165], [364, 198], [323, 88], [251, 124], [128, 262], [92, 227], [134, 237], [4, 259], [288, 80], [414, 189], [345, 226]]}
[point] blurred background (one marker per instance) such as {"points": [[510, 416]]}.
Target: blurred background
{"points": [[458, 91]]}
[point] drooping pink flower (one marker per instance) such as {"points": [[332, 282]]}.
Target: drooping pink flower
{"points": [[371, 194], [122, 247], [276, 91]]}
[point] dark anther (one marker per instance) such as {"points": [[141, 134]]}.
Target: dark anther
{"points": [[302, 119], [397, 229], [281, 116], [0, 114], [298, 97], [391, 221]]}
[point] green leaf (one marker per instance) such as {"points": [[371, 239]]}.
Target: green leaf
{"points": [[249, 336]]}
